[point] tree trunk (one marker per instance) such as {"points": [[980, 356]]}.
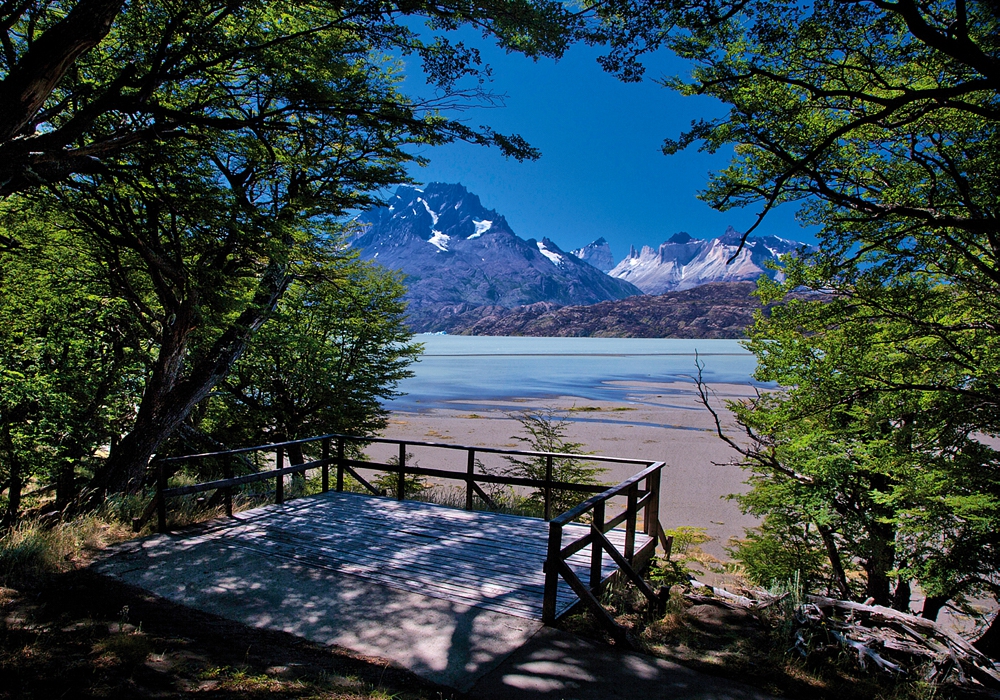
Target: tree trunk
{"points": [[901, 596], [932, 606], [15, 482], [839, 576], [170, 396], [989, 643], [65, 484], [880, 562], [31, 80], [295, 456]]}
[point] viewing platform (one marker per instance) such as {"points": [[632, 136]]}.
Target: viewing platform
{"points": [[394, 577]]}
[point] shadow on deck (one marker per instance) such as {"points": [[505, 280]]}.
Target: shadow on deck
{"points": [[445, 592]]}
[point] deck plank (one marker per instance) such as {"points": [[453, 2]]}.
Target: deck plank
{"points": [[487, 560]]}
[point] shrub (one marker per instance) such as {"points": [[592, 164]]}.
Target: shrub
{"points": [[545, 431]]}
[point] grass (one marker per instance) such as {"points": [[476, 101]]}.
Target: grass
{"points": [[507, 500], [32, 552]]}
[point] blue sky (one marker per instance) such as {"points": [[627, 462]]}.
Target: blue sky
{"points": [[601, 172]]}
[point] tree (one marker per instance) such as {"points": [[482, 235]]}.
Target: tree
{"points": [[880, 116], [897, 484], [70, 362], [205, 152], [545, 431], [81, 83], [323, 363], [880, 120]]}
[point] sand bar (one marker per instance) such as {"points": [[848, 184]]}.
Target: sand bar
{"points": [[661, 421]]}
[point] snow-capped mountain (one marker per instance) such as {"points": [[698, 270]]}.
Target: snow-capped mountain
{"points": [[597, 254], [683, 262], [456, 253]]}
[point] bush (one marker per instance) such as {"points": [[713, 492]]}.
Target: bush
{"points": [[388, 481], [781, 550], [545, 431]]}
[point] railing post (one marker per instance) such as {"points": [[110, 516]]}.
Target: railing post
{"points": [[279, 482], [161, 500], [401, 483], [325, 479], [548, 487], [340, 464], [630, 522], [651, 522], [470, 472], [552, 574], [596, 550], [227, 493]]}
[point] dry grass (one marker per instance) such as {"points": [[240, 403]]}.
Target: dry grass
{"points": [[752, 648], [33, 551]]}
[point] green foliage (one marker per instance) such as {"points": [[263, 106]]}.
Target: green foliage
{"points": [[865, 458], [781, 550], [545, 431], [880, 120], [333, 351], [70, 358], [108, 77], [685, 542], [188, 165], [388, 481]]}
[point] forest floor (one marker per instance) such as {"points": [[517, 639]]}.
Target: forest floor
{"points": [[82, 635]]}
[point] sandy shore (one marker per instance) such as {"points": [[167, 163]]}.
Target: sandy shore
{"points": [[661, 421]]}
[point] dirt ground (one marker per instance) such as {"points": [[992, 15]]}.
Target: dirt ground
{"points": [[84, 636]]}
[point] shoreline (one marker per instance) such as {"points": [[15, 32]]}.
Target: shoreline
{"points": [[661, 421]]}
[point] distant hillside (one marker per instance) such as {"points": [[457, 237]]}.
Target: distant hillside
{"points": [[718, 310]]}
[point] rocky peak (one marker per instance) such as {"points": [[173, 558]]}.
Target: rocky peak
{"points": [[597, 254]]}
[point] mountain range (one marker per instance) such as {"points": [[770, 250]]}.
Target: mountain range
{"points": [[463, 264], [715, 310], [456, 253], [683, 262]]}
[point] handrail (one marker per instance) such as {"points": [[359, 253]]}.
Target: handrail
{"points": [[344, 464], [646, 500], [574, 513], [415, 443]]}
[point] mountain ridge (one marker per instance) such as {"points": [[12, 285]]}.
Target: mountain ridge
{"points": [[715, 310], [463, 263], [454, 251]]}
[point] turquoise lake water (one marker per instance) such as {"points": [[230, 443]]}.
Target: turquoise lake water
{"points": [[468, 369]]}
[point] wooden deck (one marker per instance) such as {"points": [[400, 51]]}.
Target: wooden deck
{"points": [[480, 559]]}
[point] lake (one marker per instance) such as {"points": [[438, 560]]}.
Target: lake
{"points": [[471, 368]]}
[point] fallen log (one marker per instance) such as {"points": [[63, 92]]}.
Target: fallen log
{"points": [[895, 642]]}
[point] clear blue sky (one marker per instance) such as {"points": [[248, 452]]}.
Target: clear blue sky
{"points": [[601, 172]]}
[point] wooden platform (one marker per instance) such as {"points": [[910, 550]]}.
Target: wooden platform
{"points": [[485, 560]]}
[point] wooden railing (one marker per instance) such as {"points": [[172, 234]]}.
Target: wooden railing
{"points": [[333, 451], [642, 492]]}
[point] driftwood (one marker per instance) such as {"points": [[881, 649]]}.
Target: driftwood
{"points": [[891, 641]]}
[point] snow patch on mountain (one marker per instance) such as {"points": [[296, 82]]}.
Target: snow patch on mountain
{"points": [[481, 228], [556, 259], [434, 217], [439, 240], [683, 262]]}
